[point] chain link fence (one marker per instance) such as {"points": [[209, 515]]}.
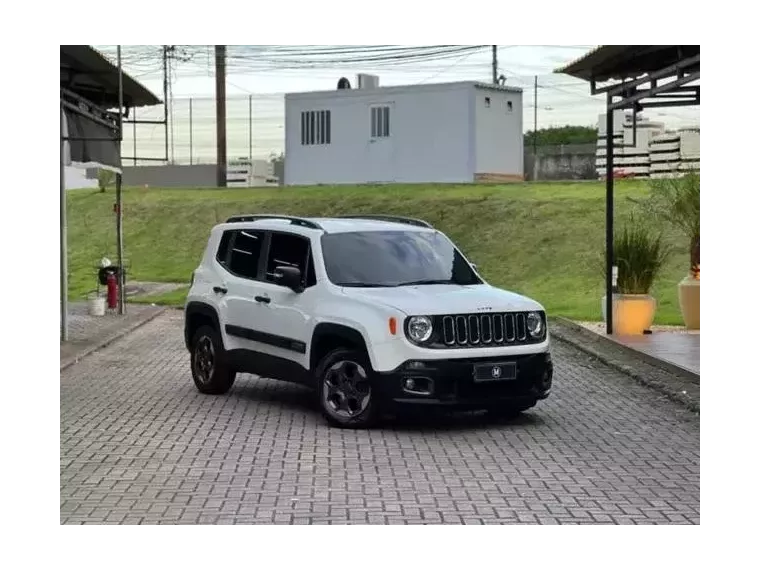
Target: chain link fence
{"points": [[255, 129]]}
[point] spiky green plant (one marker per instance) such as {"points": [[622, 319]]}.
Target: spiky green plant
{"points": [[676, 202], [106, 178], [639, 255]]}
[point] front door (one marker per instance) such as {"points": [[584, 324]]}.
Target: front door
{"points": [[380, 157], [285, 316]]}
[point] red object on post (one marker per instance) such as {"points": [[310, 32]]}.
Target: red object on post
{"points": [[113, 291]]}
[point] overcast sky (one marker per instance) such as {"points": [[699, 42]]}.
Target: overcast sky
{"points": [[561, 100]]}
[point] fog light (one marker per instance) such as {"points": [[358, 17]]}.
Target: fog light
{"points": [[420, 386], [415, 365]]}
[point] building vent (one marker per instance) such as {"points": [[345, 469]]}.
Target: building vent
{"points": [[366, 81], [344, 83]]}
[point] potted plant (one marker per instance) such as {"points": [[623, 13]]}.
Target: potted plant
{"points": [[676, 201], [639, 256]]}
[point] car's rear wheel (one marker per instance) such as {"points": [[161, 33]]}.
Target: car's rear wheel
{"points": [[345, 390], [208, 361]]}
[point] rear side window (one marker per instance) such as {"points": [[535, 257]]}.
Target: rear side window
{"points": [[222, 254], [244, 253]]}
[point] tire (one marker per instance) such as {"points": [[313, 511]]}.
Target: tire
{"points": [[214, 377], [509, 411], [344, 389]]}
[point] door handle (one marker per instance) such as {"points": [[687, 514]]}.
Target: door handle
{"points": [[222, 290], [262, 299]]}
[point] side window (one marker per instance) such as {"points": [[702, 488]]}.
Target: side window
{"points": [[315, 127], [380, 119], [292, 250], [222, 254], [245, 254]]}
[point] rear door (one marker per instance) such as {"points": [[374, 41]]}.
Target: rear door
{"points": [[243, 267]]}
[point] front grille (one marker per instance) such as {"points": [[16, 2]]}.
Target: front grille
{"points": [[482, 330]]}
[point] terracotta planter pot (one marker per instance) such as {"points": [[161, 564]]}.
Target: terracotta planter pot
{"points": [[631, 314], [688, 298]]}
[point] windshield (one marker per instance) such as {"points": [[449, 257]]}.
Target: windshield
{"points": [[394, 258]]}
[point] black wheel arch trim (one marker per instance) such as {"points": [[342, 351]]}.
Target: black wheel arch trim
{"points": [[198, 308], [344, 332]]}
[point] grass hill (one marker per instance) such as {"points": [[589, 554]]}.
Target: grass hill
{"points": [[545, 240]]}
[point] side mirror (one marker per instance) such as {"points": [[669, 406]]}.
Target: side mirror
{"points": [[288, 277]]}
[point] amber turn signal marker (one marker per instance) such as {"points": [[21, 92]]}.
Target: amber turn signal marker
{"points": [[392, 325]]}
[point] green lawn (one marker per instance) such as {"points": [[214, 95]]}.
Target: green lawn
{"points": [[545, 240]]}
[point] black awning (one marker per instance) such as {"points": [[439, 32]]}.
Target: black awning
{"points": [[90, 132], [623, 62], [90, 141]]}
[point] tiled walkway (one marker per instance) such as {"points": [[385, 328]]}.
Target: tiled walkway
{"points": [[679, 348], [87, 332], [139, 444]]}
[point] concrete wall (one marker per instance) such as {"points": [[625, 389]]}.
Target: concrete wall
{"points": [[563, 162], [430, 128], [74, 177], [171, 176]]}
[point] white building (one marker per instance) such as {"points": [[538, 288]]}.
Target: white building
{"points": [[447, 132], [247, 173], [654, 152]]}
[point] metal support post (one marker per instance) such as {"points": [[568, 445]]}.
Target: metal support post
{"points": [[610, 185]]}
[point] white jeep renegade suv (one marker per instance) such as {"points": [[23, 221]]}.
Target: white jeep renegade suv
{"points": [[374, 312]]}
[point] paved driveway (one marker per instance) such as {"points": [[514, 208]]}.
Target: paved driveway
{"points": [[139, 444]]}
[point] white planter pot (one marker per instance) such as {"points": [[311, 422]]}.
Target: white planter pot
{"points": [[96, 306]]}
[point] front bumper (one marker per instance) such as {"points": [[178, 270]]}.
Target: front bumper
{"points": [[451, 383]]}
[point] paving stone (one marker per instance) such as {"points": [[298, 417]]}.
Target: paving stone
{"points": [[140, 445]]}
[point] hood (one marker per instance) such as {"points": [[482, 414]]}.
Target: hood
{"points": [[445, 299]]}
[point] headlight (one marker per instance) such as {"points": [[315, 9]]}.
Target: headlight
{"points": [[535, 324], [419, 329]]}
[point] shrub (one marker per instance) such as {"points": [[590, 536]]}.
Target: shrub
{"points": [[105, 179], [676, 202], [639, 256]]}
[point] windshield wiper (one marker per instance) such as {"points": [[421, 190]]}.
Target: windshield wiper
{"points": [[360, 284], [427, 282]]}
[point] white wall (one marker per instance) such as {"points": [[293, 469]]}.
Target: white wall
{"points": [[430, 137], [76, 177], [498, 132]]}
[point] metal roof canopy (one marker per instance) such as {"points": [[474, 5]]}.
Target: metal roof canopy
{"points": [[635, 77], [87, 73], [90, 86]]}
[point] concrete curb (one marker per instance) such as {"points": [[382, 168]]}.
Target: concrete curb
{"points": [[673, 381], [111, 339]]}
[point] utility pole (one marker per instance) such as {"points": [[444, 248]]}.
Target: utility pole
{"points": [[494, 65], [535, 128], [221, 117]]}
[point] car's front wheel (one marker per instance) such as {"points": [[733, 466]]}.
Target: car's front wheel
{"points": [[208, 361], [345, 390]]}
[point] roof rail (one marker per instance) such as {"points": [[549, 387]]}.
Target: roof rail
{"points": [[397, 219], [294, 220]]}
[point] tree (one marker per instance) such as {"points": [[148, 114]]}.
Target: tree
{"points": [[569, 134], [278, 162]]}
